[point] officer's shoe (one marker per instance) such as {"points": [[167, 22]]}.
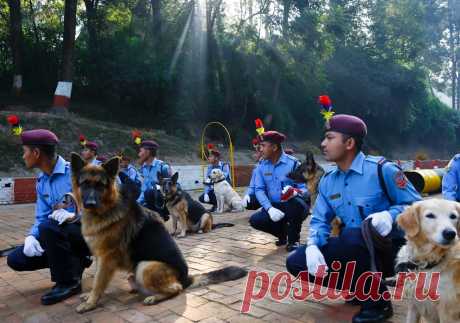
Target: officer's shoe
{"points": [[280, 242], [373, 315], [61, 292], [292, 246]]}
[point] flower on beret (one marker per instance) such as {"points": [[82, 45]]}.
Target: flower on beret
{"points": [[326, 107], [13, 121], [259, 126], [137, 136], [82, 140]]}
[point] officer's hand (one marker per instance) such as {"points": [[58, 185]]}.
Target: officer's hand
{"points": [[206, 198], [288, 193], [314, 259], [32, 247], [382, 222], [275, 214], [246, 200], [61, 216]]}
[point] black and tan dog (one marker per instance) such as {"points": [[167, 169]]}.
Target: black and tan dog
{"points": [[191, 215], [123, 236]]}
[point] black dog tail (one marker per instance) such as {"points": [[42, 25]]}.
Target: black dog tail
{"points": [[222, 225], [216, 276]]}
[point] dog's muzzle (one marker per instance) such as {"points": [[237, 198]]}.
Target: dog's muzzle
{"points": [[90, 200], [448, 235]]}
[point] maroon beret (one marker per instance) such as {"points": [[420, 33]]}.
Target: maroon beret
{"points": [[91, 145], [272, 136], [214, 152], [347, 124], [149, 144], [39, 137]]}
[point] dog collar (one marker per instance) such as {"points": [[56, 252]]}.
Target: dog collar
{"points": [[220, 180]]}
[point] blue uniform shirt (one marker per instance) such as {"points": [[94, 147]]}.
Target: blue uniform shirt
{"points": [[132, 173], [356, 194], [451, 180], [252, 184], [50, 191], [149, 176], [270, 179], [224, 168]]}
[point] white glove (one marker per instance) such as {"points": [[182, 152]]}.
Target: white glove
{"points": [[206, 198], [275, 214], [314, 259], [61, 216], [32, 247], [158, 187], [382, 222], [246, 200]]}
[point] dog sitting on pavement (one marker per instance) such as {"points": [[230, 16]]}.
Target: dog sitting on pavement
{"points": [[225, 194]]}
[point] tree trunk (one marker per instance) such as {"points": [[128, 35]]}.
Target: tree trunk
{"points": [[156, 19], [16, 43], [91, 12], [64, 88]]}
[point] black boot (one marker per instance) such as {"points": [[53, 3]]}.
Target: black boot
{"points": [[61, 292], [373, 314]]}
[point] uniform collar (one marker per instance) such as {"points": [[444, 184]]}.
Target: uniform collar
{"points": [[219, 164], [284, 158], [152, 164], [59, 167], [358, 163]]}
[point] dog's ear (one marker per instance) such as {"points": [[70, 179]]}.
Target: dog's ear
{"points": [[409, 220], [111, 166], [457, 207], [76, 163], [175, 177]]}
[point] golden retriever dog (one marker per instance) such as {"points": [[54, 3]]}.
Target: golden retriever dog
{"points": [[225, 194], [431, 228]]}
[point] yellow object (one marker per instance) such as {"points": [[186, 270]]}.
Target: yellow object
{"points": [[137, 141], [426, 180], [17, 130], [230, 144], [260, 131], [327, 115]]}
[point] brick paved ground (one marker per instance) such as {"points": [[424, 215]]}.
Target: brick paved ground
{"points": [[240, 245]]}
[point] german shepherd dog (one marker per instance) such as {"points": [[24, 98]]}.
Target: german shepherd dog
{"points": [[123, 236], [191, 215]]}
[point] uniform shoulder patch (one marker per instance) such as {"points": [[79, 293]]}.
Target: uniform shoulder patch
{"points": [[400, 179], [375, 159]]}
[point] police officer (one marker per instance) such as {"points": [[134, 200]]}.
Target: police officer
{"points": [[283, 210], [353, 192], [451, 180], [151, 196], [89, 153], [250, 200], [129, 175], [209, 197], [55, 239]]}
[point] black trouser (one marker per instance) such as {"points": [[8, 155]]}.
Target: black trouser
{"points": [[253, 203], [66, 253], [348, 246], [155, 201], [295, 210], [212, 198]]}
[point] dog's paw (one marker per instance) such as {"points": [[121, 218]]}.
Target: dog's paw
{"points": [[181, 235], [85, 307], [150, 300], [200, 231], [84, 297]]}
